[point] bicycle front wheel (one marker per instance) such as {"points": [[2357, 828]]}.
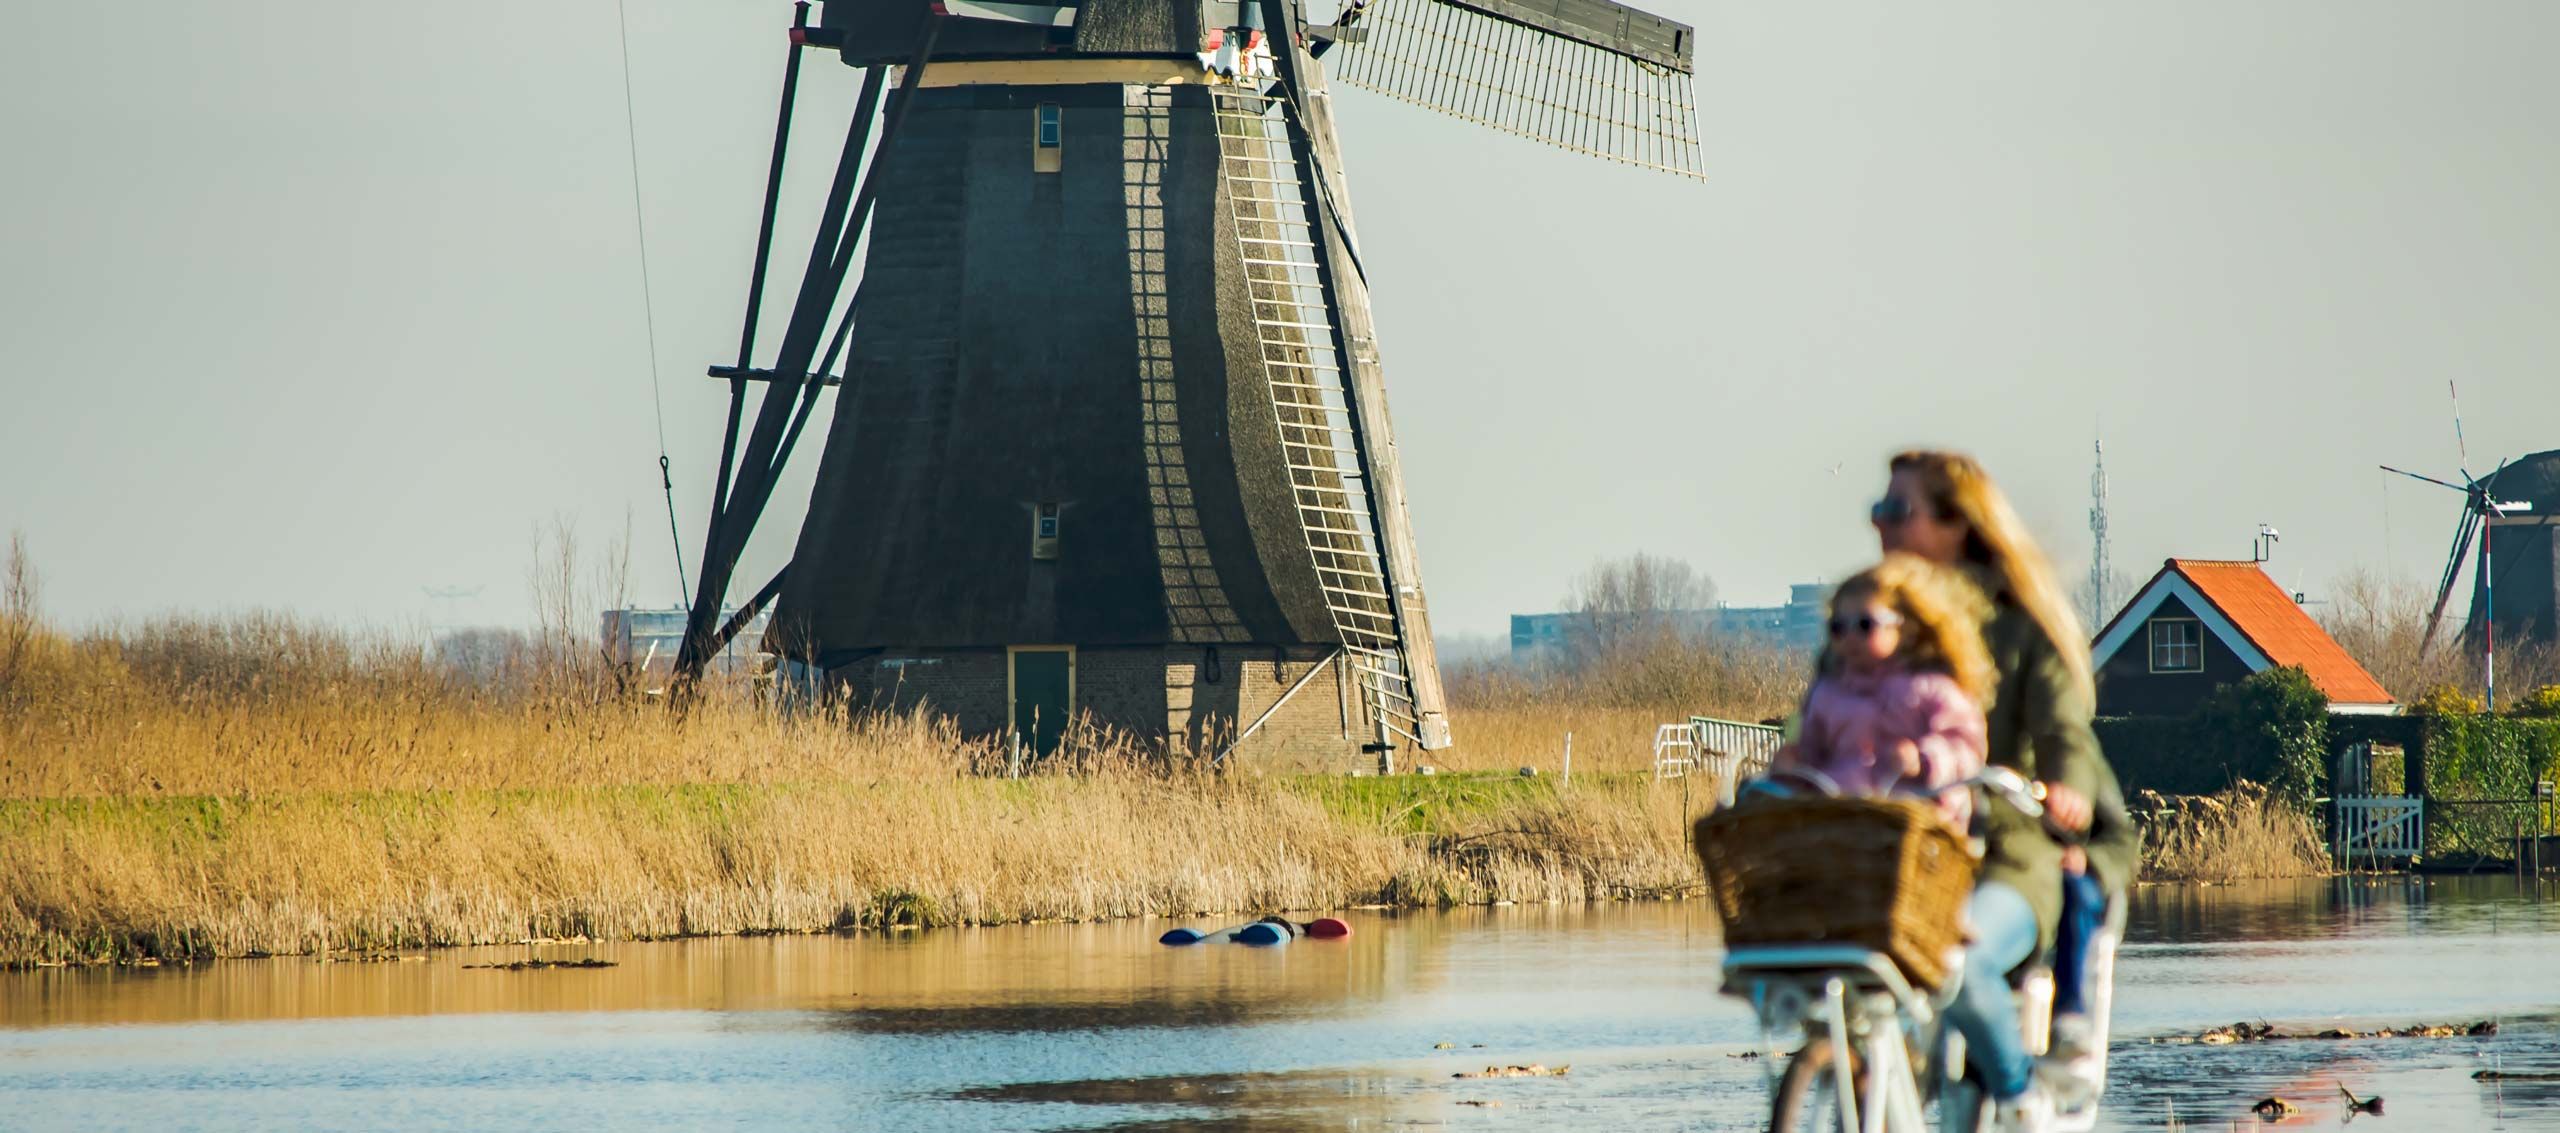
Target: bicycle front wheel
{"points": [[1805, 1101]]}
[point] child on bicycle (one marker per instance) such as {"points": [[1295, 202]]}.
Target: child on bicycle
{"points": [[1897, 700]]}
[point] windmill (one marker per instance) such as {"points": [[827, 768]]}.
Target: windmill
{"points": [[1111, 436], [2486, 508]]}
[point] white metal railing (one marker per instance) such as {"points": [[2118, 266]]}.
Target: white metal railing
{"points": [[2376, 827], [1675, 751], [1733, 750]]}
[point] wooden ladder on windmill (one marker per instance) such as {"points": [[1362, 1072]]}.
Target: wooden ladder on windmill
{"points": [[1275, 227]]}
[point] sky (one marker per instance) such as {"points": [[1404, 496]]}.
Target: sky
{"points": [[328, 306]]}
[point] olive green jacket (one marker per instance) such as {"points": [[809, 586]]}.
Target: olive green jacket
{"points": [[2039, 726]]}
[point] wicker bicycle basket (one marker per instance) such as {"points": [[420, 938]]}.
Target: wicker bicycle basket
{"points": [[1884, 874]]}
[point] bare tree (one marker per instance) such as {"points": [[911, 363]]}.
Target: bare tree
{"points": [[484, 655], [1636, 598], [2382, 623], [2120, 588], [18, 593], [612, 584]]}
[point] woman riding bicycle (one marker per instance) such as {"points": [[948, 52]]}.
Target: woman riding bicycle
{"points": [[1943, 507]]}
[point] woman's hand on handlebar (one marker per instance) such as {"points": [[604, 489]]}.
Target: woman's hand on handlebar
{"points": [[2067, 811]]}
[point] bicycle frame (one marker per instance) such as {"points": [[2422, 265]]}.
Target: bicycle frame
{"points": [[1859, 1000]]}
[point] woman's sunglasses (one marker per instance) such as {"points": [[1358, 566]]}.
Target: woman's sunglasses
{"points": [[1864, 625], [1890, 511]]}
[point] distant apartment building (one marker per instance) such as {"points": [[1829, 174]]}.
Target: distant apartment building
{"points": [[647, 639], [1796, 625]]}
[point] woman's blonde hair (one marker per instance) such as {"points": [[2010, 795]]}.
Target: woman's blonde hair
{"points": [[1958, 488], [1942, 617]]}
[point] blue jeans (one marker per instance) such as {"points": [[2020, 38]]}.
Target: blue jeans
{"points": [[1985, 1011], [2084, 907]]}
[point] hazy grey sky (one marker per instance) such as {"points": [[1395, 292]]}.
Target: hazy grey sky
{"points": [[313, 305]]}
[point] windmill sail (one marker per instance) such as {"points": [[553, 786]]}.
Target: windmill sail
{"points": [[1589, 76]]}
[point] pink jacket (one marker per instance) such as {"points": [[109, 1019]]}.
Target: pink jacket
{"points": [[1853, 723]]}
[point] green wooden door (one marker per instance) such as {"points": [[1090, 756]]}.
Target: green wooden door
{"points": [[1043, 696]]}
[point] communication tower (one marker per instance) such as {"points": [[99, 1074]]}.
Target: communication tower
{"points": [[2098, 605]]}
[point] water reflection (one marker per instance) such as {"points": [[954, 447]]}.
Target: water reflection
{"points": [[1096, 1026], [1023, 978], [2348, 906], [1261, 1100]]}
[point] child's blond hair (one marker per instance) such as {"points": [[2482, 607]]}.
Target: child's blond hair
{"points": [[1942, 615]]}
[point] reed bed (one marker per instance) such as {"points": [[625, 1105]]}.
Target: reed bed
{"points": [[255, 784], [2242, 833], [95, 879]]}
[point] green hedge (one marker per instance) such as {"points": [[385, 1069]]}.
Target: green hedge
{"points": [[2272, 728], [2488, 757], [2478, 772]]}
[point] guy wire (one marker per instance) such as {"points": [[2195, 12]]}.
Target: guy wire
{"points": [[648, 300]]}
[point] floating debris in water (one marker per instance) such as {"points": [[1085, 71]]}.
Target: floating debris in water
{"points": [[2265, 1032], [1444, 1046], [539, 965], [2372, 1105], [1533, 1070], [2272, 1108], [370, 958], [2239, 1033], [2515, 1076], [1480, 1103]]}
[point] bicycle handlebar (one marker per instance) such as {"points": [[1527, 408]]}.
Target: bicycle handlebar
{"points": [[1999, 782]]}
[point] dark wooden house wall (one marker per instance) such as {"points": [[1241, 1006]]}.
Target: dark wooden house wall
{"points": [[2128, 687]]}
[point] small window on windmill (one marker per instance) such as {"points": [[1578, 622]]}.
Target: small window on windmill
{"points": [[1047, 132], [1044, 531]]}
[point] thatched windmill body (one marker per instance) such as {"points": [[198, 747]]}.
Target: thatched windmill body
{"points": [[1111, 439]]}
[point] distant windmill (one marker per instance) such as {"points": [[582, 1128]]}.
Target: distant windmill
{"points": [[2482, 513]]}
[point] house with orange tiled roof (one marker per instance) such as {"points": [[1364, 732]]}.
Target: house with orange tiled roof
{"points": [[2200, 624]]}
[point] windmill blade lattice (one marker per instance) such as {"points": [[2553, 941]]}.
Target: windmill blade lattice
{"points": [[1554, 88]]}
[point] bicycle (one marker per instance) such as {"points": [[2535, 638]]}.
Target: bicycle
{"points": [[1902, 1055]]}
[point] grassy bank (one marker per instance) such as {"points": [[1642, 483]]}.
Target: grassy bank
{"points": [[192, 787], [244, 784], [110, 878]]}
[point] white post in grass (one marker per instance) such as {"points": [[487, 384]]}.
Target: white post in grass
{"points": [[1568, 759]]}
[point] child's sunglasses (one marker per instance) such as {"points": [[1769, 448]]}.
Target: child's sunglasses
{"points": [[1864, 625]]}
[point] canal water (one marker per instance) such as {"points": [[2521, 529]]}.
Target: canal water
{"points": [[1097, 1027]]}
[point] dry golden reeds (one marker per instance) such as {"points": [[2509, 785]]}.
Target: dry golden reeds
{"points": [[2242, 833], [257, 783]]}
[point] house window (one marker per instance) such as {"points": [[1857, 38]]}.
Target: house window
{"points": [[2177, 645], [1046, 130], [1044, 531]]}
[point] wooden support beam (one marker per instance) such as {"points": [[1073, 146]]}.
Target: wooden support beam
{"points": [[750, 374]]}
